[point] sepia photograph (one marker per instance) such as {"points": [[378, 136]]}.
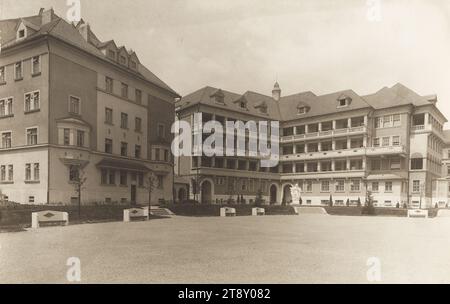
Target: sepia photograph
{"points": [[258, 142]]}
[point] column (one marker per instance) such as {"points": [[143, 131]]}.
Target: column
{"points": [[306, 129], [348, 164], [294, 149], [294, 168], [333, 165], [366, 120], [333, 145], [365, 141], [306, 147], [364, 163], [349, 143], [319, 146], [320, 126], [349, 123], [319, 166], [305, 167]]}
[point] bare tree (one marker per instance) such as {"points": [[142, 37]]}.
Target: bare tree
{"points": [[78, 179]]}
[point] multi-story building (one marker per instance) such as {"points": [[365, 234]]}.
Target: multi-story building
{"points": [[73, 105], [335, 147]]}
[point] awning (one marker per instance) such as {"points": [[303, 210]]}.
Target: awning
{"points": [[122, 165], [384, 176]]}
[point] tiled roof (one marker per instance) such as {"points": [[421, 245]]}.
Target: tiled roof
{"points": [[69, 33], [286, 108]]}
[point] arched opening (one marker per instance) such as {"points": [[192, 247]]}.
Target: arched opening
{"points": [[206, 190], [181, 195], [287, 198], [273, 194]]}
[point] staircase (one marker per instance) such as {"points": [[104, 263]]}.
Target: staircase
{"points": [[156, 210]]}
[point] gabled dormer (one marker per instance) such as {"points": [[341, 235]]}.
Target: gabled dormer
{"points": [[343, 101], [241, 103], [109, 49], [122, 56], [261, 107], [218, 97], [25, 29], [134, 61]]}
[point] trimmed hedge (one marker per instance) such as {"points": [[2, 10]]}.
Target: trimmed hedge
{"points": [[21, 215]]}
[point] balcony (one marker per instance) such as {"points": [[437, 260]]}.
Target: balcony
{"points": [[370, 151], [373, 151], [325, 134]]}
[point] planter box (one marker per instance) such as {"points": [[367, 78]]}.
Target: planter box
{"points": [[49, 218], [224, 212], [258, 212], [418, 213], [135, 214]]}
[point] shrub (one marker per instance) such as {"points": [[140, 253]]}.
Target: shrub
{"points": [[348, 202], [259, 198], [398, 205], [368, 208]]}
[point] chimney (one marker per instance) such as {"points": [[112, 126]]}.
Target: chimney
{"points": [[47, 16], [84, 30], [276, 92], [41, 10]]}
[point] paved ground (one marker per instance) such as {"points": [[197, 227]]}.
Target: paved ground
{"points": [[272, 249]]}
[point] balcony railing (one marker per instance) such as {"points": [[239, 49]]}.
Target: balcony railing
{"points": [[328, 133]]}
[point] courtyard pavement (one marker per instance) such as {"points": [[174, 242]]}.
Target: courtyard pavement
{"points": [[271, 249]]}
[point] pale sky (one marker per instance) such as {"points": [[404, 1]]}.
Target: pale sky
{"points": [[307, 45]]}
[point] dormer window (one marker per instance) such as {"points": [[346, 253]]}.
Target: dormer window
{"points": [[263, 110], [242, 105], [219, 97], [301, 110], [112, 55], [123, 60], [133, 65], [21, 34], [343, 101]]}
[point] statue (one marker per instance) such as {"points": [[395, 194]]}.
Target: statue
{"points": [[296, 192]]}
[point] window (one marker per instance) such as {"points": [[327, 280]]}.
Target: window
{"points": [[133, 64], [355, 185], [161, 130], [123, 60], [137, 151], [80, 138], [74, 173], [325, 186], [108, 116], [22, 34], [140, 177], [388, 203], [160, 182], [397, 120], [378, 121], [376, 142], [31, 199], [112, 54], [387, 121], [157, 157], [123, 149], [112, 177], [340, 186], [6, 140], [416, 186], [36, 65], [138, 96], [396, 141], [395, 164], [308, 186], [6, 107], [2, 173], [375, 186], [32, 101], [124, 121], [166, 155], [108, 146], [386, 141], [416, 163], [124, 90], [36, 172], [388, 187], [27, 172], [301, 110], [32, 136], [18, 71], [2, 75], [138, 124], [109, 85], [123, 178], [342, 102], [376, 164], [66, 137], [104, 176], [74, 105], [10, 173]]}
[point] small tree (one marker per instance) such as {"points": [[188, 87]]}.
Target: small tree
{"points": [[331, 201], [368, 209], [78, 179], [359, 202], [150, 185], [259, 198], [301, 201], [348, 202], [436, 206]]}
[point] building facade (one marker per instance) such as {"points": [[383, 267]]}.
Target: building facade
{"points": [[75, 108], [335, 147]]}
